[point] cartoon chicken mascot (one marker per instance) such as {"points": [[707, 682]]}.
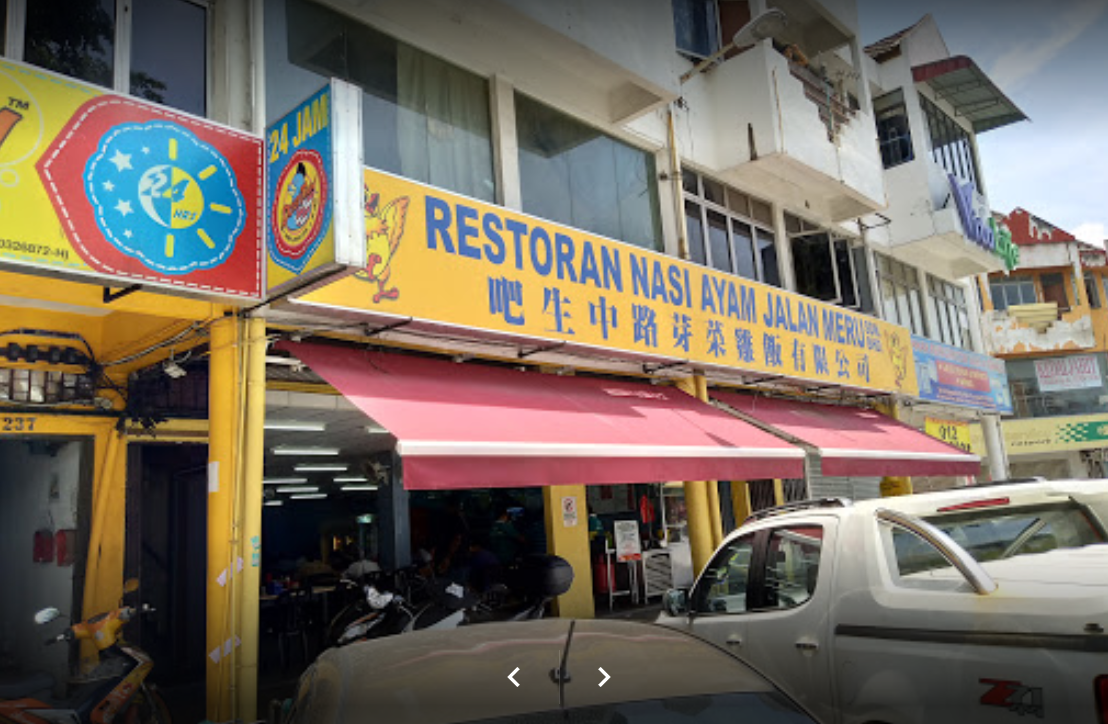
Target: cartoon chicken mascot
{"points": [[384, 227]]}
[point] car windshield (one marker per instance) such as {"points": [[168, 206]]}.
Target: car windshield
{"points": [[1003, 532]]}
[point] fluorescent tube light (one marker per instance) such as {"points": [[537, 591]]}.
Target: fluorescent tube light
{"points": [[295, 425], [321, 468], [309, 496], [299, 489], [351, 479], [283, 481], [358, 487], [273, 503], [305, 451], [374, 430]]}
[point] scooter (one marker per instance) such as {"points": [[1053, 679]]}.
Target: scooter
{"points": [[114, 691]]}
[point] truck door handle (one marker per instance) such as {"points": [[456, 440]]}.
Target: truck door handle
{"points": [[735, 640], [807, 646]]}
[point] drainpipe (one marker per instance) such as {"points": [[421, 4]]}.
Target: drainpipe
{"points": [[678, 190], [997, 453]]}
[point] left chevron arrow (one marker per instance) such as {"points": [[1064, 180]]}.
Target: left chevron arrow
{"points": [[516, 671]]}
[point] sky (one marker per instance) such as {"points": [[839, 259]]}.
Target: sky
{"points": [[1051, 59]]}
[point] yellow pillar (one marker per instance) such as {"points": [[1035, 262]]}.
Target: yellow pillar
{"points": [[778, 491], [250, 538], [223, 412], [567, 535], [893, 485], [698, 500], [740, 500]]}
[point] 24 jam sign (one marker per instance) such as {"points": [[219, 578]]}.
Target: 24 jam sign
{"points": [[127, 192], [299, 153]]}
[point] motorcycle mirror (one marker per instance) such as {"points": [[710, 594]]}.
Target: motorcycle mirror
{"points": [[130, 585], [47, 615]]}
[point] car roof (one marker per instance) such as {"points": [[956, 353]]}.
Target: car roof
{"points": [[456, 675]]}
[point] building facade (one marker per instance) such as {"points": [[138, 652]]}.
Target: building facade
{"points": [[659, 262], [1046, 320]]}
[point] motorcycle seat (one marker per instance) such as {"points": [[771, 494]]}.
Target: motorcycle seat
{"points": [[17, 685]]}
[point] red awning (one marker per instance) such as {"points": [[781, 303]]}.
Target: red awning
{"points": [[855, 442], [476, 426]]}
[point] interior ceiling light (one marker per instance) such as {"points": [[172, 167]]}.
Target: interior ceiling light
{"points": [[354, 488], [305, 451], [283, 481], [295, 364], [321, 468], [273, 503], [299, 489], [308, 496], [295, 425], [351, 479], [376, 430]]}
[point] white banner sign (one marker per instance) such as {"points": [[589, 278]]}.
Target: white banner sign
{"points": [[628, 545], [1067, 373]]}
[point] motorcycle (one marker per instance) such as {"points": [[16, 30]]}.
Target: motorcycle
{"points": [[446, 605], [114, 691]]}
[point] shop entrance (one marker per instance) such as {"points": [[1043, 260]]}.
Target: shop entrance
{"points": [[44, 501], [167, 552]]}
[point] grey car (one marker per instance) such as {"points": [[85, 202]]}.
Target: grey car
{"points": [[538, 672]]}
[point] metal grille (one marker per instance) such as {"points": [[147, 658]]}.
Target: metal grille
{"points": [[761, 495], [795, 489]]}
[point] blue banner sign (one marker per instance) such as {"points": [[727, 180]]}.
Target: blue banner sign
{"points": [[959, 377]]}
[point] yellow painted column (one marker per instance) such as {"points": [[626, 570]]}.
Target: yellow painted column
{"points": [[893, 485], [248, 585], [698, 502], [223, 411], [567, 535], [778, 491], [740, 500]]}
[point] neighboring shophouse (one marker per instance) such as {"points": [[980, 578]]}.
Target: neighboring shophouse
{"points": [[937, 233], [1047, 320], [558, 258]]}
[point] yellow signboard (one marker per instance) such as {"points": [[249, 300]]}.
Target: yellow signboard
{"points": [[440, 257], [952, 432], [1049, 434]]}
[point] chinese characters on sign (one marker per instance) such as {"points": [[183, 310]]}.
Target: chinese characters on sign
{"points": [[482, 267]]}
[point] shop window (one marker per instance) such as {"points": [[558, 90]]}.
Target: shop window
{"points": [[951, 145], [72, 37], [164, 41], [900, 294], [1054, 290], [696, 25], [892, 129], [826, 267], [169, 54], [423, 118], [1082, 392], [1092, 291], [739, 240], [948, 302], [576, 175], [1012, 291]]}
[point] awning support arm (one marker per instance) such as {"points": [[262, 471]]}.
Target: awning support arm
{"points": [[539, 350], [110, 296]]}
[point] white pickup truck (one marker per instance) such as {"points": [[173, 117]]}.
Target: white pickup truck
{"points": [[866, 614]]}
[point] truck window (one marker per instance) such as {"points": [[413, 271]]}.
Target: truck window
{"points": [[723, 587], [992, 533], [792, 566]]}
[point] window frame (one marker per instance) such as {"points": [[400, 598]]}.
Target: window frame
{"points": [[734, 201], [885, 108], [797, 228], [1006, 285], [951, 145], [14, 45], [715, 42], [951, 309], [901, 277], [1092, 290]]}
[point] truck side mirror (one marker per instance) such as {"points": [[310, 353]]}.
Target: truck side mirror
{"points": [[676, 602]]}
